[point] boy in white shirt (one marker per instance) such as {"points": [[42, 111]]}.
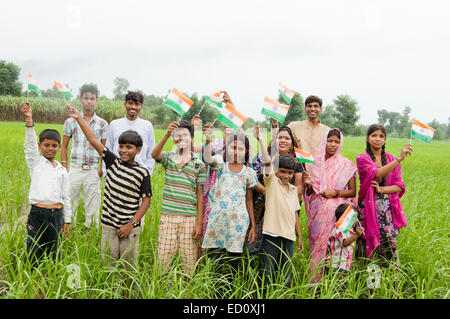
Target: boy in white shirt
{"points": [[49, 198]]}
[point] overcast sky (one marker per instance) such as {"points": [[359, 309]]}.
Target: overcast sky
{"points": [[385, 54]]}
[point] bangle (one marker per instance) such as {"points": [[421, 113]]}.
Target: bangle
{"points": [[382, 190], [63, 161], [398, 160], [32, 125], [338, 193]]}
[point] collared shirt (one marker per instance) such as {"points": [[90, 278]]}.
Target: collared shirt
{"points": [[338, 255], [49, 184], [145, 130], [81, 151], [180, 184], [281, 208], [307, 135]]}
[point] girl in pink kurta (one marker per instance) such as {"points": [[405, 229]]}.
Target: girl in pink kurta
{"points": [[329, 182]]}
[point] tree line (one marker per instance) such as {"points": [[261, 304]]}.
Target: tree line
{"points": [[342, 113]]}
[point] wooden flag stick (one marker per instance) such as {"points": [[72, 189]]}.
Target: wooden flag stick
{"points": [[201, 109]]}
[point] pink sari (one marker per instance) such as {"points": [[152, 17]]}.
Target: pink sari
{"points": [[334, 173], [367, 172]]}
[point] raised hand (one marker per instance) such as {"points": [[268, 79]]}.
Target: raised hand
{"points": [[406, 150], [27, 110], [172, 127], [226, 97], [72, 112], [257, 132], [207, 130]]}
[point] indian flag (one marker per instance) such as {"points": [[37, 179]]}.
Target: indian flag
{"points": [[287, 94], [231, 117], [422, 131], [345, 223], [64, 90], [33, 86], [178, 102], [303, 156], [274, 109], [215, 100]]}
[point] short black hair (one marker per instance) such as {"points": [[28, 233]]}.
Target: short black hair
{"points": [[135, 96], [50, 134], [131, 137], [89, 88], [312, 99], [285, 161], [340, 210], [186, 125]]}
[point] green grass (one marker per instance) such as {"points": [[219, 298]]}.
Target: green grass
{"points": [[423, 245]]}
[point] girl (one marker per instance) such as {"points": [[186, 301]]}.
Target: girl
{"points": [[329, 183], [379, 195], [230, 198]]}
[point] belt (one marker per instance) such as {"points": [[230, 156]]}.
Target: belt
{"points": [[85, 166], [49, 206]]}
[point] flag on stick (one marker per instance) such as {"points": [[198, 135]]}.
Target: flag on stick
{"points": [[215, 100], [274, 109], [303, 156], [64, 90], [178, 102], [33, 86], [345, 223], [422, 131], [231, 117], [287, 94]]}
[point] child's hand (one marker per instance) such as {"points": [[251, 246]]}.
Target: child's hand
{"points": [[207, 130], [196, 121], [72, 112], [359, 231], [275, 124], [172, 127], [226, 97], [257, 133], [66, 230], [26, 110], [197, 231]]}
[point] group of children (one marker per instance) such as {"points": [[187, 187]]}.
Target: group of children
{"points": [[127, 196]]}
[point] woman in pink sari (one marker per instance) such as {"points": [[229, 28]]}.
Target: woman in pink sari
{"points": [[329, 182], [381, 187]]}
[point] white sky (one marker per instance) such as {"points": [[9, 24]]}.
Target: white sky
{"points": [[385, 54]]}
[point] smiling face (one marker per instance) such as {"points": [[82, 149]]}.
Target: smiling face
{"points": [[285, 175], [133, 108], [182, 138], [49, 148], [376, 139], [313, 110], [128, 152], [88, 101], [333, 143], [284, 142]]}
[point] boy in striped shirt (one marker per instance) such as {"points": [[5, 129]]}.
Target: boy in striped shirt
{"points": [[181, 222], [127, 192]]}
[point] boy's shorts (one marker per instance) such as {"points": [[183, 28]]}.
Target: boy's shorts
{"points": [[114, 247], [175, 234]]}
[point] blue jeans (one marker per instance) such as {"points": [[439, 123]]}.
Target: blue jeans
{"points": [[276, 254]]}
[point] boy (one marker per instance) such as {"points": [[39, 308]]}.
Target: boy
{"points": [[49, 191], [181, 220], [342, 243], [133, 106], [280, 217], [127, 192], [85, 170]]}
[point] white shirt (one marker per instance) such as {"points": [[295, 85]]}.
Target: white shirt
{"points": [[49, 185], [145, 130]]}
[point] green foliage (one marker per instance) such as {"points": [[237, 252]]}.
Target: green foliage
{"points": [[346, 109], [328, 116], [296, 110], [9, 75], [121, 86], [440, 130], [397, 124]]}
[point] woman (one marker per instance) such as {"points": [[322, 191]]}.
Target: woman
{"points": [[284, 143], [329, 182], [381, 187]]}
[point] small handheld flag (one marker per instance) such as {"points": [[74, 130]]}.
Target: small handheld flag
{"points": [[345, 223], [231, 117], [303, 156], [33, 86], [274, 109], [422, 132], [215, 100], [287, 94], [178, 102], [64, 90]]}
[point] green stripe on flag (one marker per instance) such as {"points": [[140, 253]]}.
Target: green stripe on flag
{"points": [[213, 103], [285, 97], [35, 89], [420, 137], [276, 116], [225, 120], [66, 94], [175, 107], [305, 160]]}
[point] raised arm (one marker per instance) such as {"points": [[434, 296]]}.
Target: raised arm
{"points": [[266, 161], [90, 136], [31, 146], [386, 169], [156, 153], [207, 158]]}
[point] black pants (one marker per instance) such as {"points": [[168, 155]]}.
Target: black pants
{"points": [[44, 232]]}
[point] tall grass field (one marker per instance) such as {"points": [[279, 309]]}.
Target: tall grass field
{"points": [[80, 273]]}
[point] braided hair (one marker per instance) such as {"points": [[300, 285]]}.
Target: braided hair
{"points": [[370, 130]]}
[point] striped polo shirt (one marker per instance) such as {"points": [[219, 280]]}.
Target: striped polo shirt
{"points": [[180, 185], [125, 186]]}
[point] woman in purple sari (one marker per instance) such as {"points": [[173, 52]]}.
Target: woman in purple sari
{"points": [[381, 187]]}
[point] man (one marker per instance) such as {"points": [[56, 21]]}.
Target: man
{"points": [[309, 133], [131, 121], [84, 169]]}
